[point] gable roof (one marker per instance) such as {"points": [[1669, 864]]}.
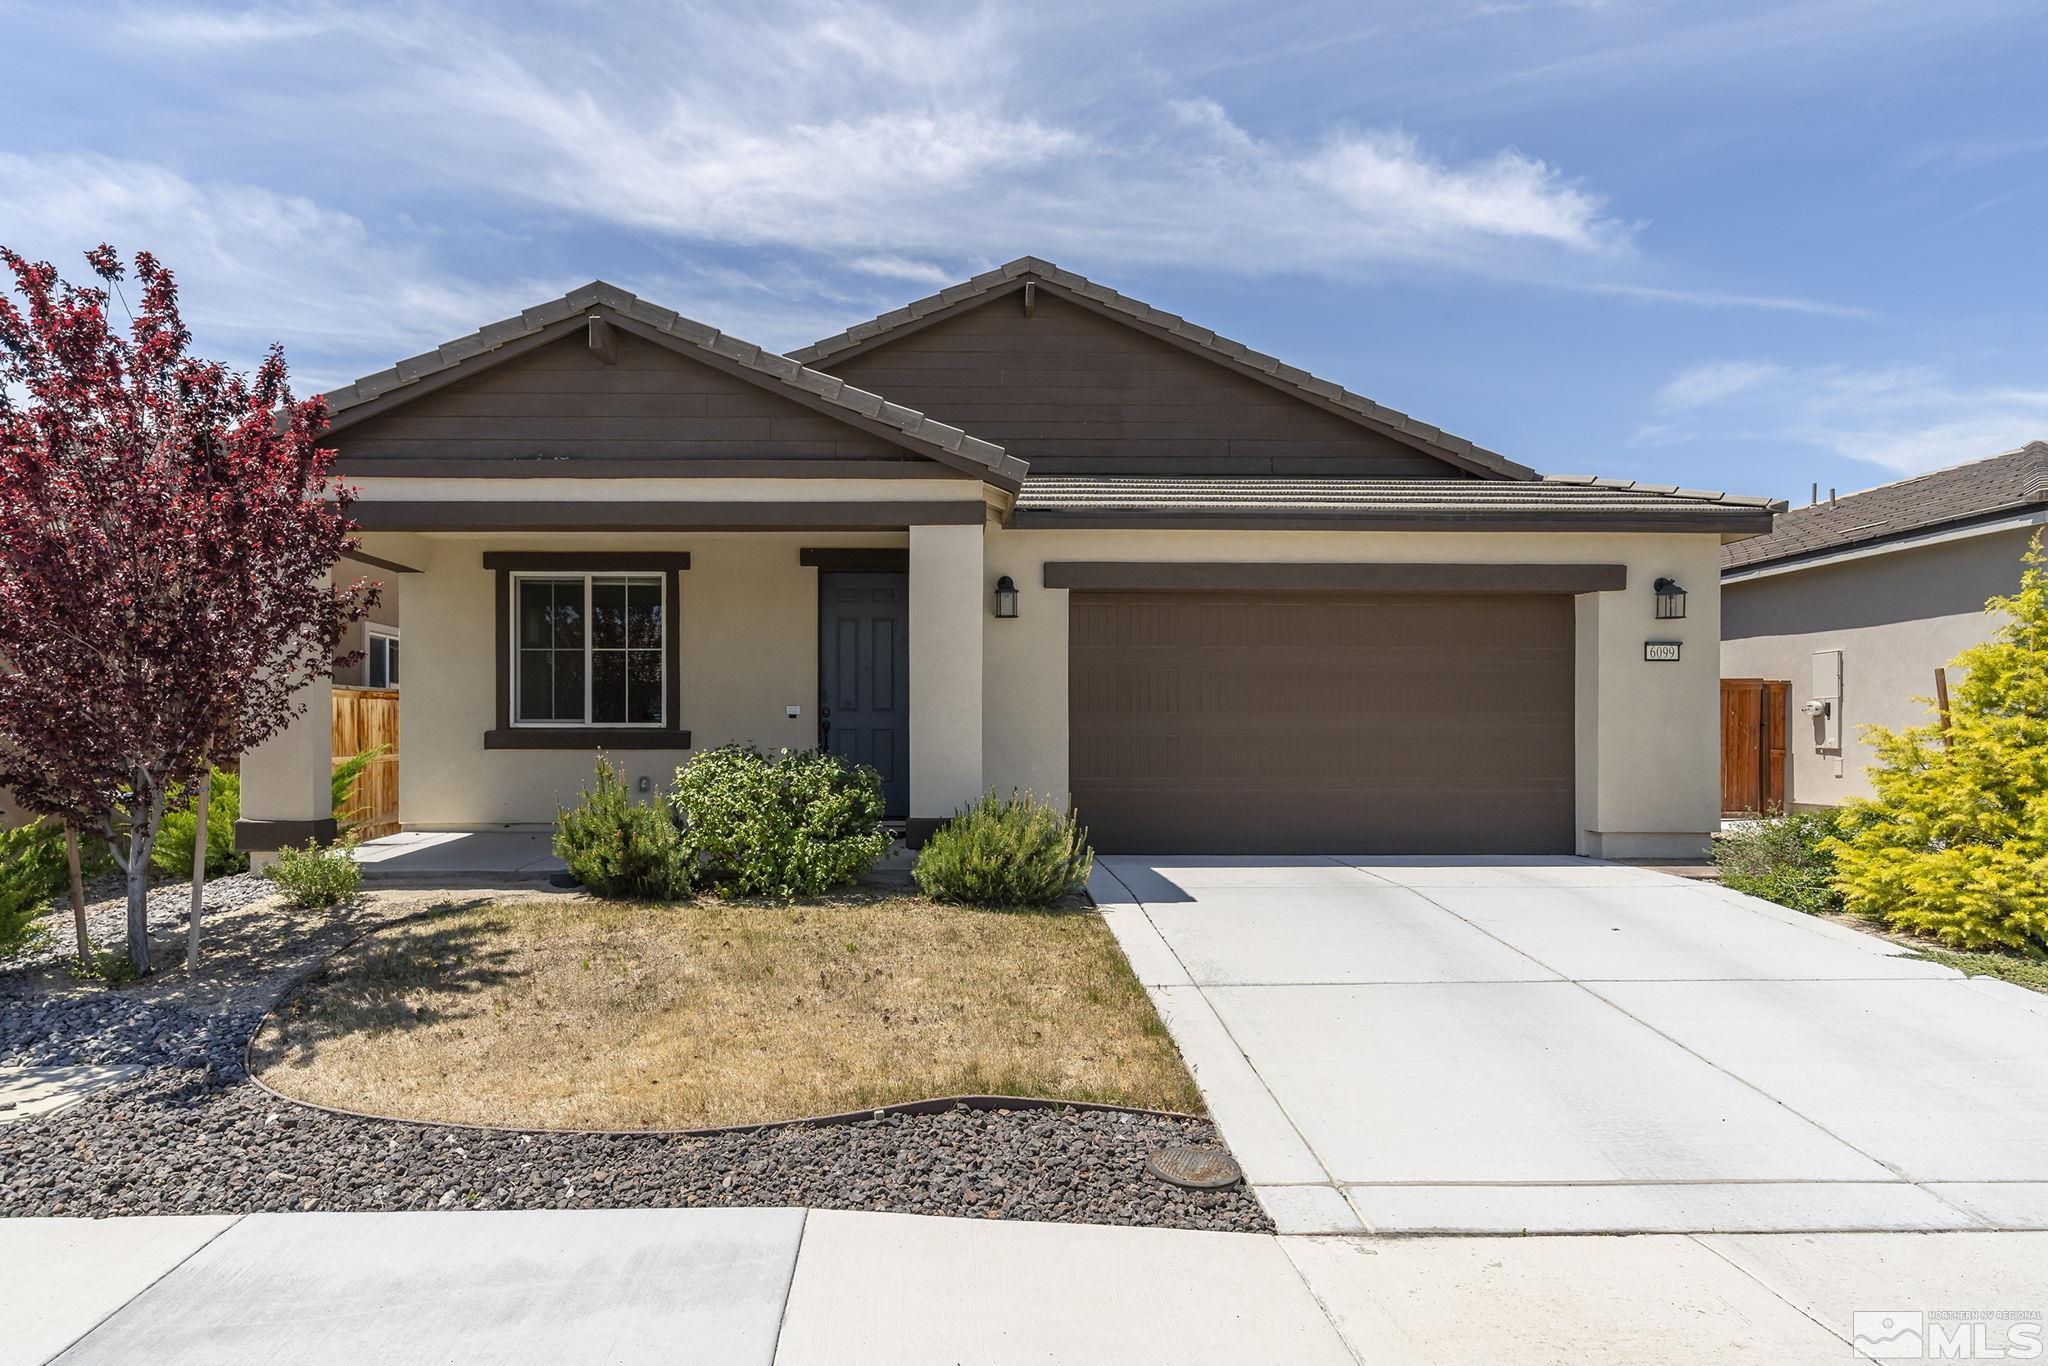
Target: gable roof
{"points": [[861, 337], [1562, 503], [502, 340], [2013, 481]]}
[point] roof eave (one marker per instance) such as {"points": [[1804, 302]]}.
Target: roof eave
{"points": [[1707, 520], [2031, 512]]}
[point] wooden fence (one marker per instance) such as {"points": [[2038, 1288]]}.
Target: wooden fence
{"points": [[367, 718]]}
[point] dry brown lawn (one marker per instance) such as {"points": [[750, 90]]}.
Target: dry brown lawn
{"points": [[571, 1013]]}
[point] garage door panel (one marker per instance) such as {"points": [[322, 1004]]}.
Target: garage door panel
{"points": [[1389, 753], [1407, 683], [1293, 723]]}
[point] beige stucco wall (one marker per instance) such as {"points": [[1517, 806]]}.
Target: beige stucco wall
{"points": [[1647, 741], [748, 623], [1896, 618], [1647, 733], [948, 612]]}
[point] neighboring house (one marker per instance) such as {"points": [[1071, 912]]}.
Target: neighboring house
{"points": [[1855, 602], [1026, 533], [373, 640]]}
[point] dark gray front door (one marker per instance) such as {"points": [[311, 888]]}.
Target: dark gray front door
{"points": [[864, 676]]}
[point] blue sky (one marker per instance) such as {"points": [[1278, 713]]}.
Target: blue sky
{"points": [[1732, 245]]}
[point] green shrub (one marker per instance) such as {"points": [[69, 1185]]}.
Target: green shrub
{"points": [[1017, 851], [1786, 859], [616, 846], [33, 873], [173, 853], [1955, 842], [794, 823], [344, 778], [312, 876], [21, 918]]}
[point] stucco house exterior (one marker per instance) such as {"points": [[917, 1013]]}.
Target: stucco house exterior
{"points": [[1025, 533], [1856, 601]]}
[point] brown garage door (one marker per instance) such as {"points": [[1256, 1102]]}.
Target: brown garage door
{"points": [[1322, 722]]}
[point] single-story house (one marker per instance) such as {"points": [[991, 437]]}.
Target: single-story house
{"points": [[1842, 614], [1025, 533]]}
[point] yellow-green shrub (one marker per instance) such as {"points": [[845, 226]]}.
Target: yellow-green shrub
{"points": [[1955, 843]]}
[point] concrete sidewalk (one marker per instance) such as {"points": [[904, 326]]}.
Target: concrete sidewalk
{"points": [[566, 1288]]}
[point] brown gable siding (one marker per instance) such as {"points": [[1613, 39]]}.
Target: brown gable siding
{"points": [[1071, 392], [563, 402]]}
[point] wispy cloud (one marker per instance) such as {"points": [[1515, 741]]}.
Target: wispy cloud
{"points": [[1903, 419], [256, 266], [786, 165], [873, 148], [949, 137]]}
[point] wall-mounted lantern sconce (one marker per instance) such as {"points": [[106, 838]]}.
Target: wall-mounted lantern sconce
{"points": [[1006, 597], [1670, 600]]}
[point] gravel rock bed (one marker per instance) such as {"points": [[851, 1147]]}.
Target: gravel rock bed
{"points": [[106, 913], [184, 1141], [193, 1135]]}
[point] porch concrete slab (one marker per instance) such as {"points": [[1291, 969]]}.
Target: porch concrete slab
{"points": [[1503, 870], [909, 1289], [1281, 935], [439, 853], [1267, 1146], [1158, 881], [43, 1090], [59, 1278], [1520, 1082], [1702, 1207], [1309, 1209], [540, 1286], [1832, 1277], [1674, 932], [2003, 1204], [1563, 1301], [1935, 1078]]}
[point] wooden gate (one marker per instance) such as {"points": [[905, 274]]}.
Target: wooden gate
{"points": [[367, 718], [1753, 746]]}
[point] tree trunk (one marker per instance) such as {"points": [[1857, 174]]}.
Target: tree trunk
{"points": [[198, 871], [78, 929], [142, 828]]}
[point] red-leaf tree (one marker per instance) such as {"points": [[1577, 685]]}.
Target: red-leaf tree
{"points": [[167, 526]]}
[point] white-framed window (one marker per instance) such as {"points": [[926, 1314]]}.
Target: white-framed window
{"points": [[587, 649], [380, 657]]}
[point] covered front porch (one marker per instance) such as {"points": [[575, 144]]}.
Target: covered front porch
{"points": [[530, 652]]}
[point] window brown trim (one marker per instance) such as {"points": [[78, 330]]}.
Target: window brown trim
{"points": [[1156, 576], [878, 559], [591, 738], [625, 562], [670, 735]]}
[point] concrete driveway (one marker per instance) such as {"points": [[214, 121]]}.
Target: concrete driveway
{"points": [[1478, 1045]]}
